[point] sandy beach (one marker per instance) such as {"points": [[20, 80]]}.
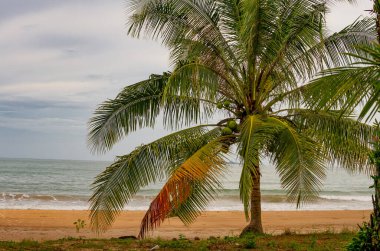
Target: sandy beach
{"points": [[54, 224]]}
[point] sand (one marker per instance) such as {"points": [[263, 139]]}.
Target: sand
{"points": [[55, 224]]}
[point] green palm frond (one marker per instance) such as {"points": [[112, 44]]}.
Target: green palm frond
{"points": [[249, 152], [136, 106], [176, 20], [328, 52], [115, 186], [333, 49], [202, 82], [189, 189], [349, 87], [299, 161], [345, 140], [256, 133], [193, 80]]}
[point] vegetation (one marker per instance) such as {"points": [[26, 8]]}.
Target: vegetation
{"points": [[354, 85], [351, 87], [248, 60], [291, 242], [368, 237], [348, 88], [79, 224]]}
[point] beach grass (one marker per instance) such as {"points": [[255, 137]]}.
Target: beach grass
{"points": [[287, 241]]}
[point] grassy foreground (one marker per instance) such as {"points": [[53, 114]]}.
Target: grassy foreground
{"points": [[287, 241]]}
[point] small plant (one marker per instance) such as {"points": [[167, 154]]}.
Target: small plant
{"points": [[313, 242], [230, 239], [79, 224], [294, 246], [272, 244], [249, 240], [287, 231], [181, 237]]}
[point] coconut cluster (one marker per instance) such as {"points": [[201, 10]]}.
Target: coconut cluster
{"points": [[231, 127], [225, 104]]}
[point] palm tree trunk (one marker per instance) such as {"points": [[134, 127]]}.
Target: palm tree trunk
{"points": [[255, 225]]}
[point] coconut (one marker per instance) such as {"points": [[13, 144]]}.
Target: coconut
{"points": [[219, 105], [227, 103], [226, 131], [232, 125]]}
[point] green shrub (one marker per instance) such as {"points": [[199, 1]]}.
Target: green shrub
{"points": [[367, 239], [251, 243]]}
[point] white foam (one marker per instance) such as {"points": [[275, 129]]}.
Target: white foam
{"points": [[346, 198]]}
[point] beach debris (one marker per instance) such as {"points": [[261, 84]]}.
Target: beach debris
{"points": [[128, 237], [155, 247], [196, 238]]}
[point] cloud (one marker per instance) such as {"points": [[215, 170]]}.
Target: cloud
{"points": [[59, 59], [14, 9], [50, 46], [45, 125], [54, 91], [342, 14]]}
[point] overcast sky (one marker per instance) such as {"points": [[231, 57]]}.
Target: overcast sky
{"points": [[59, 59]]}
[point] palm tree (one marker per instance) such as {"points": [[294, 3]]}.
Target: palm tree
{"points": [[249, 61], [356, 86]]}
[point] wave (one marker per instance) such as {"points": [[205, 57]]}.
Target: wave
{"points": [[40, 197], [147, 195], [346, 197]]}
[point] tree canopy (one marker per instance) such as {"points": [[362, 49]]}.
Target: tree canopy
{"points": [[251, 61]]}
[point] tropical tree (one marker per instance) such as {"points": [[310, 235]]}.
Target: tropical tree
{"points": [[248, 62], [356, 86]]}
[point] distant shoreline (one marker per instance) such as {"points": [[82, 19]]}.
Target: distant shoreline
{"points": [[18, 225], [39, 159]]}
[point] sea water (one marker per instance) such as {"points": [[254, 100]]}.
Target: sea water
{"points": [[66, 184]]}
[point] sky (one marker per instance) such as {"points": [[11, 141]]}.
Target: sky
{"points": [[60, 59]]}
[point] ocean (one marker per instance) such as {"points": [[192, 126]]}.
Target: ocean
{"points": [[65, 184]]}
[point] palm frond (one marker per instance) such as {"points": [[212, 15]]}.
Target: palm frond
{"points": [[115, 186], [345, 140], [177, 20], [136, 106], [255, 134], [194, 80], [335, 50], [299, 162], [189, 189], [346, 88]]}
